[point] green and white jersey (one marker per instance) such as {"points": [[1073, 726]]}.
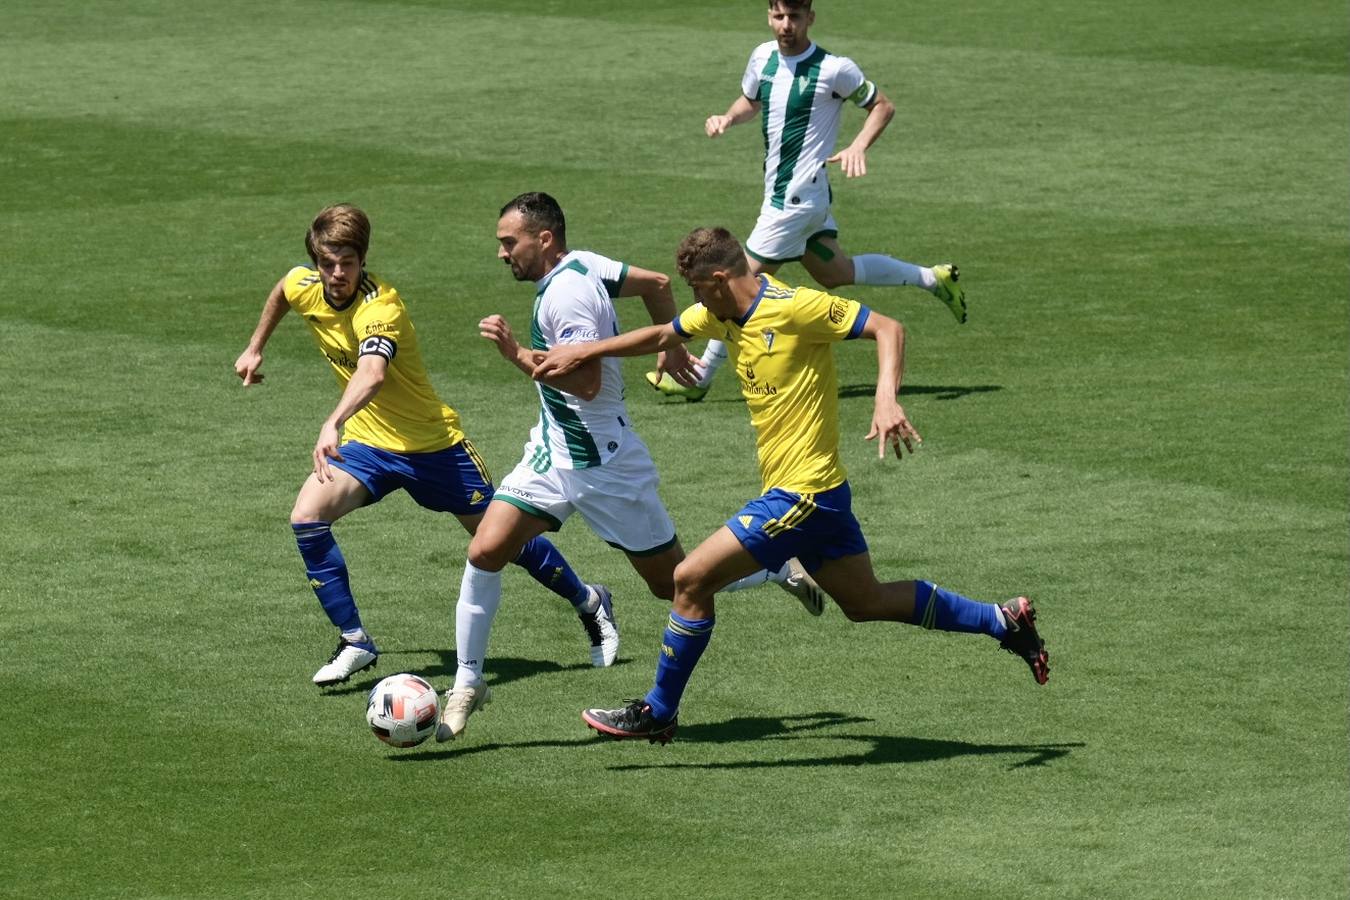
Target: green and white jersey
{"points": [[802, 98], [575, 304]]}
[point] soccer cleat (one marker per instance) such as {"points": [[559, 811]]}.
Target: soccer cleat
{"points": [[631, 723], [672, 388], [804, 588], [1023, 640], [349, 658], [949, 292], [602, 629], [460, 703]]}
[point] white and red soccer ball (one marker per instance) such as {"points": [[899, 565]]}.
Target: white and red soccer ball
{"points": [[402, 710]]}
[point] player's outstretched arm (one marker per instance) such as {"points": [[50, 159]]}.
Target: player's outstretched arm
{"points": [[853, 158], [583, 382], [249, 364], [566, 358], [742, 109], [890, 425], [364, 384], [657, 296]]}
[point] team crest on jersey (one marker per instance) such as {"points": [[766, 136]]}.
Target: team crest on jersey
{"points": [[768, 338], [838, 311]]}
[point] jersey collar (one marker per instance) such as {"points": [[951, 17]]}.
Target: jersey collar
{"points": [[763, 286]]}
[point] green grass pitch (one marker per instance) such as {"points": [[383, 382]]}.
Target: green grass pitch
{"points": [[1144, 426]]}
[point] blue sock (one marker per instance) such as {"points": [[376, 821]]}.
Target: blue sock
{"points": [[936, 607], [547, 566], [327, 572], [681, 646]]}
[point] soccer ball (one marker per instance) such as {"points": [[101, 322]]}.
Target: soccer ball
{"points": [[402, 710]]}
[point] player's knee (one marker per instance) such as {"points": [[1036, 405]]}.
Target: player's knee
{"points": [[489, 555]]}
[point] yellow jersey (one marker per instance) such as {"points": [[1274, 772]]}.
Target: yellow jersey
{"points": [[405, 416], [781, 352]]}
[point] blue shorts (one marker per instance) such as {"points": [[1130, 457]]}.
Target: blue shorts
{"points": [[812, 527], [451, 480]]}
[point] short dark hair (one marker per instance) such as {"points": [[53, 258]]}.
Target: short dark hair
{"points": [[790, 4], [707, 250], [541, 213], [340, 225]]}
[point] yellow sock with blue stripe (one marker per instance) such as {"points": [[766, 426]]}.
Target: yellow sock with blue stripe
{"points": [[681, 646]]}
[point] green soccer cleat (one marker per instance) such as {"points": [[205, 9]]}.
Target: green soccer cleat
{"points": [[672, 388], [949, 292]]}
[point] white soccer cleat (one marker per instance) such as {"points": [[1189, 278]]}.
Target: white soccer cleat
{"points": [[349, 658], [602, 630], [460, 703], [804, 588]]}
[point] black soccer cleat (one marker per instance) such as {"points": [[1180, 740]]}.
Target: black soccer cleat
{"points": [[630, 723], [1023, 640]]}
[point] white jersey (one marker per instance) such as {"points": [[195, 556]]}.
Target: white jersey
{"points": [[574, 304], [802, 98]]}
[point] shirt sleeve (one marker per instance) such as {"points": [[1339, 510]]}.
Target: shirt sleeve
{"points": [[825, 318], [380, 324], [750, 80], [852, 85], [295, 281], [612, 273], [696, 321], [570, 314]]}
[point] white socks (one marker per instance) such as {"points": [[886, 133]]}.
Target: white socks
{"points": [[480, 593], [874, 268], [763, 576], [713, 356]]}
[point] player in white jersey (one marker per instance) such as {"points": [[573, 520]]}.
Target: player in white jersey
{"points": [[583, 455], [799, 91]]}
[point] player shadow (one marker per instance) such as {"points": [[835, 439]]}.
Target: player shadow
{"points": [[942, 392], [875, 749], [499, 670]]}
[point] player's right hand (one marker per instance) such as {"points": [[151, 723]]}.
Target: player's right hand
{"points": [[326, 448], [247, 367], [716, 125]]}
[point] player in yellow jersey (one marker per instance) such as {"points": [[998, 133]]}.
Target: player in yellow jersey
{"points": [[780, 340], [388, 431]]}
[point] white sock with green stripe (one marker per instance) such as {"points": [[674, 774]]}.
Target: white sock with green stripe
{"points": [[876, 269], [714, 355]]}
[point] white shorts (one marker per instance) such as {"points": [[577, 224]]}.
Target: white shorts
{"points": [[781, 235], [618, 500]]}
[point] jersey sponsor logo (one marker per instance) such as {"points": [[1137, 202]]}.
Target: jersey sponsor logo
{"points": [[578, 334], [749, 373], [838, 311], [376, 327], [341, 360]]}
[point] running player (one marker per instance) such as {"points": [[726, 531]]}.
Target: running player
{"points": [[799, 90], [781, 340]]}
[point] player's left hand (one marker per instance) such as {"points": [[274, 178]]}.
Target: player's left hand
{"points": [[676, 361], [892, 426], [326, 448], [498, 330], [852, 161]]}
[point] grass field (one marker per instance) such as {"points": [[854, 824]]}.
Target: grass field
{"points": [[1144, 426]]}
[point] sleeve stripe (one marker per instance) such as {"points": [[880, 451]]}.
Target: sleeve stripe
{"points": [[859, 323], [679, 329]]}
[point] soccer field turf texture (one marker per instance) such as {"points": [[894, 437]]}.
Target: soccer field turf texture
{"points": [[1144, 427]]}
